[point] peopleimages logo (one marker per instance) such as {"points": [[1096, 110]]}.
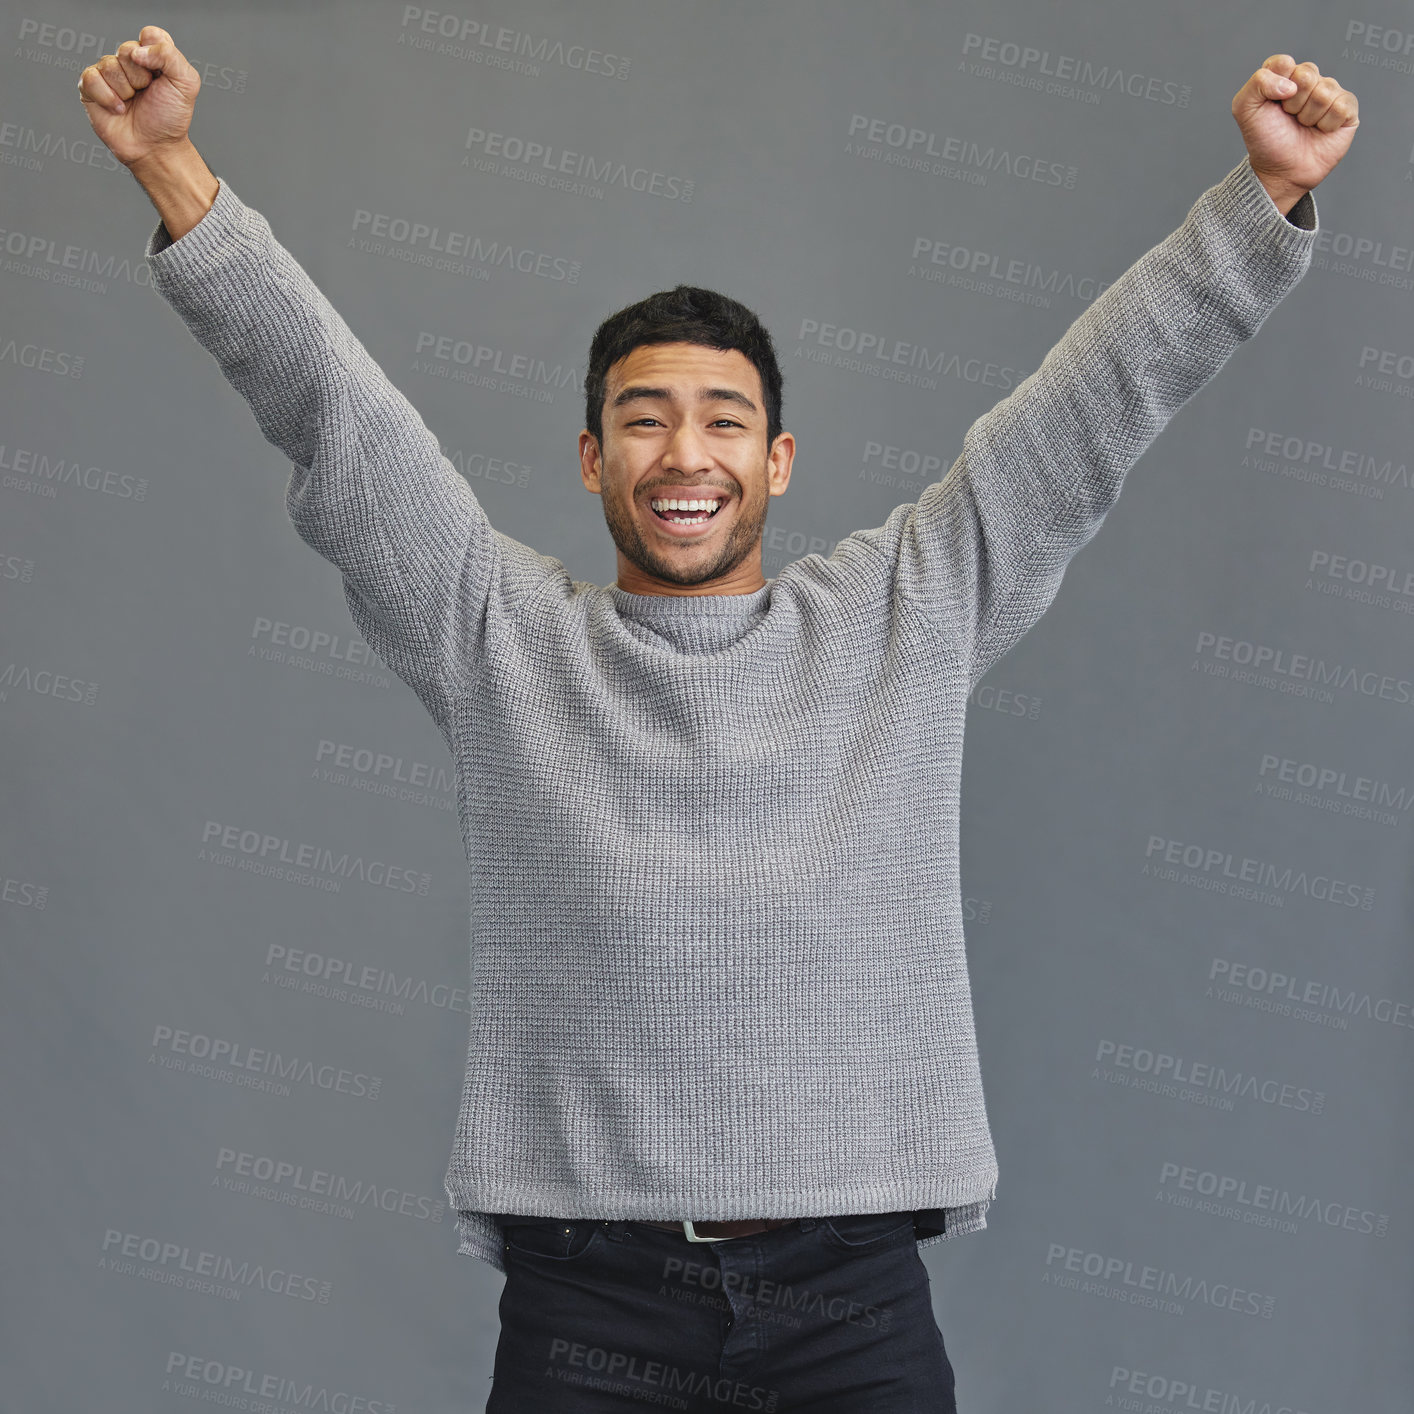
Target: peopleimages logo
{"points": [[1380, 46], [419, 243], [176, 1264], [1308, 460], [234, 1386], [41, 473], [780, 545], [1260, 1204], [986, 272], [933, 154], [16, 567], [318, 1190], [375, 988], [1364, 258], [882, 356], [1069, 76], [1299, 674], [1386, 371], [247, 1066], [45, 682], [1221, 871], [1213, 1085], [1120, 1279], [42, 257], [1005, 700], [481, 466], [1324, 1003], [1361, 581], [628, 1376], [22, 146], [314, 650], [81, 44], [1341, 792], [486, 366], [559, 169], [885, 465], [259, 852], [42, 359], [782, 1304], [1336, 782], [478, 42], [384, 774], [1143, 1393], [66, 47], [22, 893]]}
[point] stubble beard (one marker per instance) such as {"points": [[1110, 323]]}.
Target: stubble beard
{"points": [[688, 565]]}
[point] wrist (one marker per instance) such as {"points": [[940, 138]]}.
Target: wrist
{"points": [[1285, 194], [179, 184], [165, 159]]}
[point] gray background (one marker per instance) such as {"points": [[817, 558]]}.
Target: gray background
{"points": [[176, 665]]}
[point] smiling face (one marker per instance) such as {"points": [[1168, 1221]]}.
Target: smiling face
{"points": [[685, 422]]}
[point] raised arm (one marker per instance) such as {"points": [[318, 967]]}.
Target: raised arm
{"points": [[983, 551], [370, 489]]}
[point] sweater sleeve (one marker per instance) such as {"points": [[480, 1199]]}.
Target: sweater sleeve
{"points": [[370, 489], [983, 551]]}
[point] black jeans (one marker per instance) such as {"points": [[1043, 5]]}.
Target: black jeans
{"points": [[827, 1315]]}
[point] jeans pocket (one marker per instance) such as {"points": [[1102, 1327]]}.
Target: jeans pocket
{"points": [[859, 1232], [558, 1239]]}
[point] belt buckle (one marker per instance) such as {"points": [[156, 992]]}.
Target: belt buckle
{"points": [[693, 1237]]}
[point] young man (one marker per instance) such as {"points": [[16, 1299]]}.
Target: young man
{"points": [[718, 993]]}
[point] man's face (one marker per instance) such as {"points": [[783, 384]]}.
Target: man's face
{"points": [[689, 423]]}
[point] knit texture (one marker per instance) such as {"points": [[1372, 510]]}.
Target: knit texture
{"points": [[717, 959]]}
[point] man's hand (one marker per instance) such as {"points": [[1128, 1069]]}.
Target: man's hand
{"points": [[140, 99], [1297, 124]]}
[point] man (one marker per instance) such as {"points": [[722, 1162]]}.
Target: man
{"points": [[719, 994]]}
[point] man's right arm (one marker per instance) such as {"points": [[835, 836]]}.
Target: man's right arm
{"points": [[370, 489]]}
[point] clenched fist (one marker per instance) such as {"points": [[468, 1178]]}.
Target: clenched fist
{"points": [[141, 98], [1297, 124]]}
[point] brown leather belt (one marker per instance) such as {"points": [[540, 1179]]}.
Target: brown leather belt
{"points": [[717, 1231]]}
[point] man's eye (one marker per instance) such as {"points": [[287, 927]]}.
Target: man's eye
{"points": [[641, 421], [726, 422]]}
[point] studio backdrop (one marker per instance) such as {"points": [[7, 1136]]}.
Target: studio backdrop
{"points": [[232, 893]]}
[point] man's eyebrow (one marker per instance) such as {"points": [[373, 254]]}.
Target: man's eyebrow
{"points": [[724, 395], [634, 394], [663, 395]]}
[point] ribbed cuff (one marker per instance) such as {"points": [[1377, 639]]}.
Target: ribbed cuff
{"points": [[1250, 217], [228, 223]]}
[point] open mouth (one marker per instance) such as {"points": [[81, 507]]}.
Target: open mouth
{"points": [[685, 514]]}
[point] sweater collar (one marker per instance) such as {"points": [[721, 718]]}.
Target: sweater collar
{"points": [[661, 607]]}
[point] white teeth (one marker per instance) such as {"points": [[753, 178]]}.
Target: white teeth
{"points": [[673, 505]]}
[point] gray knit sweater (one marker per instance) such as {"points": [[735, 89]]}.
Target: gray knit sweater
{"points": [[717, 964]]}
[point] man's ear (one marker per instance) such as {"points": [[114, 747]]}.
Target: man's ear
{"points": [[591, 461], [779, 461]]}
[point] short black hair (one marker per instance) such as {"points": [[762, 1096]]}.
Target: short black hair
{"points": [[683, 315]]}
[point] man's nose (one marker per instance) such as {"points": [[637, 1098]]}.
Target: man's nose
{"points": [[686, 450]]}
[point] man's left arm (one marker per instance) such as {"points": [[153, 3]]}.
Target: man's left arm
{"points": [[984, 549]]}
